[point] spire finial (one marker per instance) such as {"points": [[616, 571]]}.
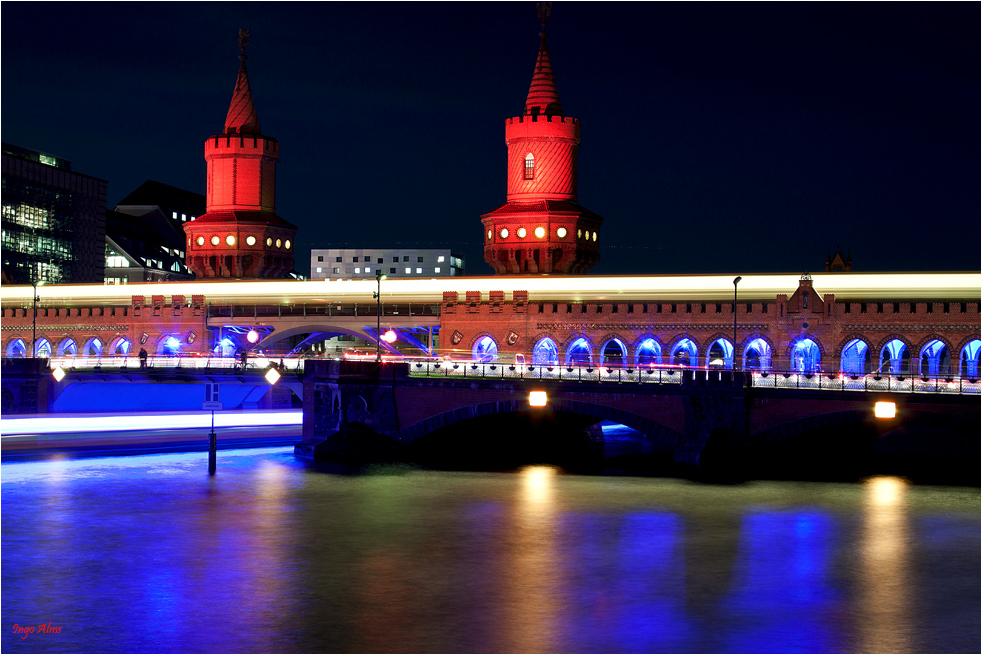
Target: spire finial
{"points": [[243, 35], [543, 11]]}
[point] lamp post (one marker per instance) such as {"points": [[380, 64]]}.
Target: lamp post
{"points": [[34, 330], [377, 295], [734, 357]]}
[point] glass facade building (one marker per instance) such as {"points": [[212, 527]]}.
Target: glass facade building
{"points": [[53, 220]]}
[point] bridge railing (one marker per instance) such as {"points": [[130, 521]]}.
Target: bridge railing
{"points": [[504, 371], [168, 362], [873, 382]]}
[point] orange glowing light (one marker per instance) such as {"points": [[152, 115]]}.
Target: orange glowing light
{"points": [[885, 410]]}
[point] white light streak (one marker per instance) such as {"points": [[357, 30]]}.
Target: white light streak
{"points": [[106, 423]]}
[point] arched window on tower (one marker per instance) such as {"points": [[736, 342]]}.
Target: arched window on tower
{"points": [[529, 172]]}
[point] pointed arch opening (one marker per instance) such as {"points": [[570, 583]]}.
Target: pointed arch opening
{"points": [[614, 353], [684, 353], [42, 348], [16, 348], [806, 356], [648, 354], [895, 358], [529, 167], [119, 347], [579, 354], [67, 347], [934, 359], [485, 350], [855, 357], [969, 360], [757, 355], [92, 348], [546, 353], [720, 355]]}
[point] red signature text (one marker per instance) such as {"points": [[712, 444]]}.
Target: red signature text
{"points": [[40, 628]]}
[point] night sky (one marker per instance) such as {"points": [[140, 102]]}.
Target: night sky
{"points": [[716, 137]]}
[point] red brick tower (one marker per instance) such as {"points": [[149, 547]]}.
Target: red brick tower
{"points": [[541, 228], [240, 235]]}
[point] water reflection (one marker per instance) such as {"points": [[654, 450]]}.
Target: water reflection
{"points": [[883, 612], [150, 554]]}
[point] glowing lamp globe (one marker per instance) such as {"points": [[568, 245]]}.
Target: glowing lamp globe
{"points": [[389, 336], [252, 336]]}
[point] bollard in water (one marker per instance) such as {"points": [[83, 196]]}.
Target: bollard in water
{"points": [[212, 447]]}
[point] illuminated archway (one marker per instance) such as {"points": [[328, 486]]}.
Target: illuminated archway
{"points": [[485, 350], [969, 360], [92, 348], [169, 346], [614, 353], [579, 353], [67, 346], [805, 356], [720, 355], [16, 348], [757, 355], [648, 353], [546, 353], [226, 348], [895, 358], [935, 359], [42, 348], [684, 353], [855, 357], [120, 347]]}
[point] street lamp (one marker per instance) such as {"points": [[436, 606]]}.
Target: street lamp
{"points": [[733, 360], [377, 295], [34, 335]]}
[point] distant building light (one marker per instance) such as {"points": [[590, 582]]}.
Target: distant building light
{"points": [[409, 270], [537, 399], [440, 258], [358, 270], [184, 217], [419, 270], [318, 269]]}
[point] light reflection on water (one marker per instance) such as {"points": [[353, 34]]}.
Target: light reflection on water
{"points": [[149, 554]]}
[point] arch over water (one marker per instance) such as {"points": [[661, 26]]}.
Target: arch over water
{"points": [[757, 355], [614, 353], [805, 356], [16, 348], [648, 353], [934, 359], [67, 346], [969, 359], [855, 357], [485, 350], [579, 353], [720, 355], [895, 358], [546, 353], [92, 348], [684, 353], [42, 348]]}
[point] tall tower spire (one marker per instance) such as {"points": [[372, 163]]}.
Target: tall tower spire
{"points": [[541, 228], [240, 235]]}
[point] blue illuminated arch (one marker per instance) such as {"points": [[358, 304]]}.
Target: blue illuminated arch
{"points": [[895, 358], [92, 347], [969, 360], [805, 356], [579, 353], [757, 355], [720, 355], [485, 350], [67, 346], [684, 353], [855, 357], [648, 353], [226, 348], [169, 345], [614, 353], [42, 348], [119, 346], [16, 348], [546, 353], [934, 359]]}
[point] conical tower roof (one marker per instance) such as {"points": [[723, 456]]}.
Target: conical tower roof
{"points": [[242, 113], [543, 97]]}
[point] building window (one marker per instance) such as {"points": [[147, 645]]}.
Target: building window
{"points": [[440, 258], [184, 217], [406, 258], [368, 269], [367, 259], [358, 270], [320, 258], [396, 259], [419, 259], [335, 270], [355, 260], [318, 269], [338, 259], [530, 169], [379, 261], [174, 215], [419, 270], [409, 270], [436, 269], [392, 269]]}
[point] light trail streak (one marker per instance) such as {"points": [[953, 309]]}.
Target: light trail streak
{"points": [[49, 424]]}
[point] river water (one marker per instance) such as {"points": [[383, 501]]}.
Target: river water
{"points": [[149, 554]]}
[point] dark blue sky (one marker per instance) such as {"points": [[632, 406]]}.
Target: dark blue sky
{"points": [[716, 137]]}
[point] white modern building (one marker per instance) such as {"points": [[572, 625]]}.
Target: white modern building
{"points": [[356, 263]]}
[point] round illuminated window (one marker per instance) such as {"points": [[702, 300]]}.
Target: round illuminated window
{"points": [[215, 240], [540, 232], [278, 243], [504, 233], [595, 236], [579, 233], [561, 232], [489, 234], [269, 242], [287, 245], [231, 240], [201, 241], [521, 232], [250, 241]]}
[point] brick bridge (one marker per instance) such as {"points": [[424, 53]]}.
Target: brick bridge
{"points": [[360, 410]]}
